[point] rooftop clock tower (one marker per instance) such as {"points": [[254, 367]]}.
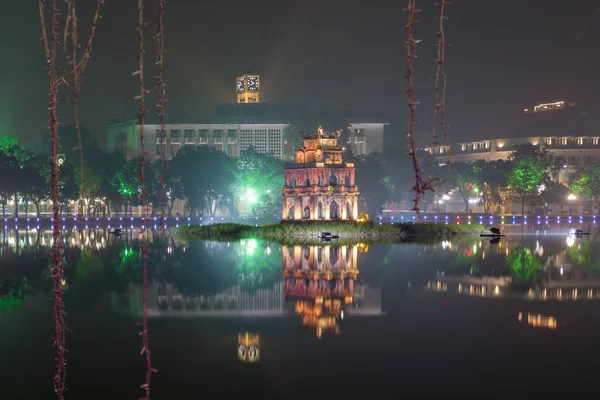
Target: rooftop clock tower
{"points": [[248, 89]]}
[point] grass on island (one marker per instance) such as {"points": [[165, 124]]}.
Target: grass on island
{"points": [[310, 229]]}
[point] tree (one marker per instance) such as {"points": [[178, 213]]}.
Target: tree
{"points": [[258, 179], [587, 182], [527, 176], [126, 182], [36, 182], [371, 177], [492, 177], [402, 173], [9, 182], [464, 179], [205, 175]]}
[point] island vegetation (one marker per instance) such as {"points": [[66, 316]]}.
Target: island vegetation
{"points": [[352, 230]]}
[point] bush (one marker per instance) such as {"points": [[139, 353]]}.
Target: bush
{"points": [[311, 229]]}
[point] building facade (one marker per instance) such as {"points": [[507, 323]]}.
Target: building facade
{"points": [[366, 137], [231, 138], [569, 153], [320, 185]]}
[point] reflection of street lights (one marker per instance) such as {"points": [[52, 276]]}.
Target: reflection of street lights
{"points": [[571, 198]]}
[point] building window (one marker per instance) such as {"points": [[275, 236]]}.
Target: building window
{"points": [[231, 133], [359, 132], [260, 140], [563, 141], [589, 160], [548, 141], [245, 139], [275, 142], [188, 134], [573, 160], [175, 134], [218, 133], [203, 133]]}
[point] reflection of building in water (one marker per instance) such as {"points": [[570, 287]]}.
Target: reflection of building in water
{"points": [[568, 289], [322, 282], [470, 285], [539, 320], [572, 289], [248, 347], [167, 300]]}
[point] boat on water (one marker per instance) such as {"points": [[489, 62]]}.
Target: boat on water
{"points": [[578, 232], [494, 232], [327, 235]]}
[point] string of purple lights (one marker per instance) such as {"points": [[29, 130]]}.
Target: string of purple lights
{"points": [[481, 219]]}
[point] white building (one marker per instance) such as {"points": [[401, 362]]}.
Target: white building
{"points": [[230, 138], [366, 137]]}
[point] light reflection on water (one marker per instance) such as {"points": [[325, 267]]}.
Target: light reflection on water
{"points": [[287, 307]]}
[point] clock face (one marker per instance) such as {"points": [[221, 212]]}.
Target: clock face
{"points": [[253, 83], [240, 84]]}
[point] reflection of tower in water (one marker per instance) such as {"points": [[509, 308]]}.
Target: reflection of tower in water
{"points": [[248, 347], [322, 282]]}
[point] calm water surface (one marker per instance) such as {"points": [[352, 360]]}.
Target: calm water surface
{"points": [[514, 319]]}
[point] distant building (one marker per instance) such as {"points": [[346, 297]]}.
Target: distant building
{"points": [[234, 128], [557, 105], [366, 137], [320, 184], [569, 153], [229, 138]]}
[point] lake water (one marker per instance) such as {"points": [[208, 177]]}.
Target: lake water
{"points": [[514, 319]]}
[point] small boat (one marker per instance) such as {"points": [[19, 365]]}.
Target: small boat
{"points": [[327, 235], [578, 232], [117, 232], [495, 232]]}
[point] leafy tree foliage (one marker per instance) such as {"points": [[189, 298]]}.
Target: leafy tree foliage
{"points": [[205, 176], [372, 184], [464, 178], [587, 182], [259, 178], [527, 176]]}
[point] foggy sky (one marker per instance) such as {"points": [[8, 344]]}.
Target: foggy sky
{"points": [[505, 56]]}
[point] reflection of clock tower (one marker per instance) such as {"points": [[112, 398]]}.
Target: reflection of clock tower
{"points": [[248, 89]]}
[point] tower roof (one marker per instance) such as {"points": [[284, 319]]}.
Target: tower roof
{"points": [[320, 134]]}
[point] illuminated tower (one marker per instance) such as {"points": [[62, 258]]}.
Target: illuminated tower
{"points": [[248, 89], [320, 184]]}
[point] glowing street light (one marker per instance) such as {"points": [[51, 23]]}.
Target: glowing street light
{"points": [[571, 198]]}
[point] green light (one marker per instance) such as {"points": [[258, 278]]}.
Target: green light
{"points": [[251, 247], [476, 190], [251, 196]]}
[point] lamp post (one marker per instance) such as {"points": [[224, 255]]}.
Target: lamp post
{"points": [[571, 198], [445, 198]]}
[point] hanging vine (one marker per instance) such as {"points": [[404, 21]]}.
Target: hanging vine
{"points": [[145, 352], [78, 65], [162, 98], [439, 110], [51, 43], [411, 55], [422, 186]]}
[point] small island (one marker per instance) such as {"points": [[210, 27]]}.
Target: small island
{"points": [[310, 230]]}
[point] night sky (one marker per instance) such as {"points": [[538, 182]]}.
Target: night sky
{"points": [[505, 56]]}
